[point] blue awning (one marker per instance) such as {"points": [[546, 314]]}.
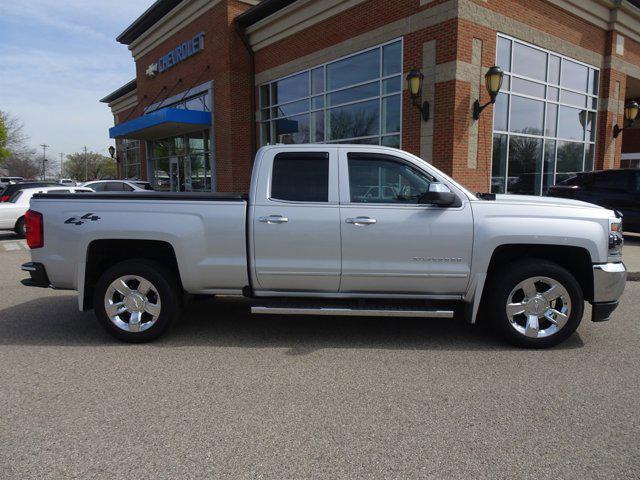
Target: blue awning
{"points": [[162, 123]]}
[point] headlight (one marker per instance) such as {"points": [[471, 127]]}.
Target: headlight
{"points": [[616, 239]]}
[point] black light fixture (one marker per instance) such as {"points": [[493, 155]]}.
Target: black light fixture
{"points": [[630, 115], [415, 79], [493, 82], [112, 151]]}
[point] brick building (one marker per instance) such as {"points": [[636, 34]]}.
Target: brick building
{"points": [[215, 79]]}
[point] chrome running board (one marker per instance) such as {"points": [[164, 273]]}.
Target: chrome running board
{"points": [[352, 312]]}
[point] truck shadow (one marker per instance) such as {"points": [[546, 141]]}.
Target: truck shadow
{"points": [[228, 323], [632, 239], [8, 235]]}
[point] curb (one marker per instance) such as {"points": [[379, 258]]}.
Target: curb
{"points": [[633, 276]]}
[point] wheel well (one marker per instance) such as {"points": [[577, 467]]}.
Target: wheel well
{"points": [[15, 227], [576, 260], [102, 254]]}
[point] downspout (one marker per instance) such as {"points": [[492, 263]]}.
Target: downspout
{"points": [[252, 72]]}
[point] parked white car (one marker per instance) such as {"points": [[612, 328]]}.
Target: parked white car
{"points": [[4, 181], [12, 212], [118, 186]]}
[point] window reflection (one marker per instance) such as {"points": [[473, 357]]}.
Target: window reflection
{"points": [[571, 124], [355, 99], [499, 167], [569, 160], [356, 69], [549, 130], [526, 115], [525, 162], [501, 112], [529, 61], [356, 120]]}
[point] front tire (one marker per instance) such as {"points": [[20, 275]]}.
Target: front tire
{"points": [[535, 303], [136, 300]]}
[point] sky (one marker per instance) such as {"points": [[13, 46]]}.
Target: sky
{"points": [[57, 59]]}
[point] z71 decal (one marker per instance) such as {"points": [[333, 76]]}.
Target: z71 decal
{"points": [[82, 219]]}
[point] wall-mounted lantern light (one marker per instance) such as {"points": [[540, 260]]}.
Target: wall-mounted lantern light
{"points": [[493, 82], [415, 78], [630, 114], [112, 151]]}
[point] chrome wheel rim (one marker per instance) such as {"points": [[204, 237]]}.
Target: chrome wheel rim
{"points": [[132, 303], [538, 307]]}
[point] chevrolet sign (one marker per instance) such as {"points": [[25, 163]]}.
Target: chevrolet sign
{"points": [[177, 55]]}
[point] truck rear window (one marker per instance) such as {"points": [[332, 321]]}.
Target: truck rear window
{"points": [[301, 178]]}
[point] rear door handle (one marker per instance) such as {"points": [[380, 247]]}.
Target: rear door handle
{"points": [[273, 219], [361, 221]]}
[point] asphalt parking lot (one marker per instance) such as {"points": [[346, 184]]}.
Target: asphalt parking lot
{"points": [[228, 395]]}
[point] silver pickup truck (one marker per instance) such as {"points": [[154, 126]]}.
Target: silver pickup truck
{"points": [[333, 230]]}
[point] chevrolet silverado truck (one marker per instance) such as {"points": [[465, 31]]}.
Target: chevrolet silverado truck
{"points": [[348, 230]]}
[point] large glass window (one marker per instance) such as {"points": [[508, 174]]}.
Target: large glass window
{"points": [[130, 158], [356, 99], [544, 120]]}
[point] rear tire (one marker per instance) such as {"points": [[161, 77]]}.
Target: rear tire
{"points": [[136, 300], [20, 228], [535, 303]]}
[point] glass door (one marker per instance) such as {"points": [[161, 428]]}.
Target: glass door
{"points": [[174, 174]]}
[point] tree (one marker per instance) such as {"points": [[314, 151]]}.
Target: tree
{"points": [[90, 166], [16, 141], [4, 136], [24, 164]]}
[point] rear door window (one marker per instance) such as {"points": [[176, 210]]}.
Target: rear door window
{"points": [[114, 186], [300, 177]]}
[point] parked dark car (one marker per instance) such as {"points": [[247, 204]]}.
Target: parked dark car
{"points": [[9, 190], [615, 189]]}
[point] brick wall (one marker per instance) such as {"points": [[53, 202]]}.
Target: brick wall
{"points": [[225, 61], [451, 109]]}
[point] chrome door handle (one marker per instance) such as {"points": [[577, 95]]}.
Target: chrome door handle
{"points": [[273, 219], [361, 221]]}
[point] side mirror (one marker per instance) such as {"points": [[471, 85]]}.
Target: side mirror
{"points": [[440, 195]]}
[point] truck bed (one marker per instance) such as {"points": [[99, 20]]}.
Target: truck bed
{"points": [[205, 231]]}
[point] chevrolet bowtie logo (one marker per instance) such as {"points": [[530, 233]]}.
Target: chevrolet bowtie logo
{"points": [[152, 70]]}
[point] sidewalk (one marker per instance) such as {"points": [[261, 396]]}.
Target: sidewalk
{"points": [[631, 255]]}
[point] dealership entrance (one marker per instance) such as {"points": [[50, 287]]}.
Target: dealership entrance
{"points": [[181, 163]]}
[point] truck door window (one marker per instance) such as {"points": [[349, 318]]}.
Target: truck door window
{"points": [[385, 181], [300, 177]]}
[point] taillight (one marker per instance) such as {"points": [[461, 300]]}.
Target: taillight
{"points": [[33, 228], [5, 198]]}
